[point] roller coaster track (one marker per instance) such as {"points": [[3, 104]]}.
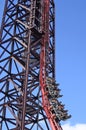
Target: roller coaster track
{"points": [[29, 94]]}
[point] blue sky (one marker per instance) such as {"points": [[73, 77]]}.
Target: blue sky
{"points": [[70, 57]]}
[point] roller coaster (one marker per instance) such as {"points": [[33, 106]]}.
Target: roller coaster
{"points": [[29, 94]]}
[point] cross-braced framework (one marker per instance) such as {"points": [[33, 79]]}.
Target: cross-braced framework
{"points": [[28, 92]]}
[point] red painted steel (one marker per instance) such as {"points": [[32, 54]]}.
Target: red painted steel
{"points": [[45, 40]]}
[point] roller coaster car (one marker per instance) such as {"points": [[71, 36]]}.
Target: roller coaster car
{"points": [[66, 117], [53, 102]]}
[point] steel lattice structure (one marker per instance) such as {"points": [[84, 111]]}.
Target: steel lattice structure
{"points": [[28, 91]]}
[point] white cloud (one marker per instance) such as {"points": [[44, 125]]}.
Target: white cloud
{"points": [[75, 127]]}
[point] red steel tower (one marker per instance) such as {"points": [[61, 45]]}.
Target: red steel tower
{"points": [[28, 91]]}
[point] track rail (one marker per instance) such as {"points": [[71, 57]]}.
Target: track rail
{"points": [[49, 89], [45, 41]]}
